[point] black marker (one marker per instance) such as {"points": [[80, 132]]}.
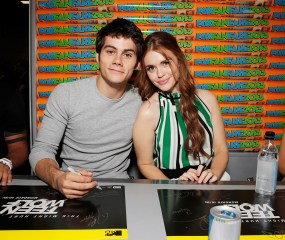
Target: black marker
{"points": [[207, 164]]}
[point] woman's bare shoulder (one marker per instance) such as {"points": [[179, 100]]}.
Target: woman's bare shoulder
{"points": [[207, 97], [150, 108]]}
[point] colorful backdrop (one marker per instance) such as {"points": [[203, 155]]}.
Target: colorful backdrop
{"points": [[236, 49]]}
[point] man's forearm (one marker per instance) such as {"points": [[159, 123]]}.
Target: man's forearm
{"points": [[17, 148], [48, 170], [18, 155]]}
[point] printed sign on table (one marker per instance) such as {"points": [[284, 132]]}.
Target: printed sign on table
{"points": [[40, 212], [186, 212]]}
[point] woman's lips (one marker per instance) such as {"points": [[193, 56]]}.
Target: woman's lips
{"points": [[162, 82]]}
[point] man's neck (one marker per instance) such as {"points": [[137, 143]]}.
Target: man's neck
{"points": [[110, 90]]}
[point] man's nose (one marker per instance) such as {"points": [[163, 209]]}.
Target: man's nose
{"points": [[118, 59]]}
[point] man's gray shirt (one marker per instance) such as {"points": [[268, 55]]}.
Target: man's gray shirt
{"points": [[96, 131]]}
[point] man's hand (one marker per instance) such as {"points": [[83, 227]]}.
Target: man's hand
{"points": [[5, 174], [72, 185], [69, 184], [75, 186]]}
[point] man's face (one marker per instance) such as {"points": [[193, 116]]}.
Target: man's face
{"points": [[117, 60]]}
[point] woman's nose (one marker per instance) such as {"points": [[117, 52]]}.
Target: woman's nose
{"points": [[160, 72]]}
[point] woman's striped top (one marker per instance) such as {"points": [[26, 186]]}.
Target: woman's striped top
{"points": [[171, 132]]}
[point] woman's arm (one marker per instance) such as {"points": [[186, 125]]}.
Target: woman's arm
{"points": [[143, 137], [221, 157]]}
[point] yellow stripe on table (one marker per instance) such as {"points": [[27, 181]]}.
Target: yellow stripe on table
{"points": [[94, 234]]}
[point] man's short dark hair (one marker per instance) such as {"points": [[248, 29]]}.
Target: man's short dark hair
{"points": [[121, 27]]}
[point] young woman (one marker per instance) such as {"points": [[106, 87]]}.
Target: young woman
{"points": [[178, 128]]}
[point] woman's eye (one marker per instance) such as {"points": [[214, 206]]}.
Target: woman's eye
{"points": [[166, 63], [149, 69]]}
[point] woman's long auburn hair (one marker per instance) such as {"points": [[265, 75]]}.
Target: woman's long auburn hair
{"points": [[163, 42]]}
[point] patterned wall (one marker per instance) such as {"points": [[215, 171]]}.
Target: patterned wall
{"points": [[236, 49]]}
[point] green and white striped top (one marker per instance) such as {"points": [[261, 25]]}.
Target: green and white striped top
{"points": [[171, 132]]}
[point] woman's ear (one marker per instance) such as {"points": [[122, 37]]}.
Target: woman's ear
{"points": [[138, 66]]}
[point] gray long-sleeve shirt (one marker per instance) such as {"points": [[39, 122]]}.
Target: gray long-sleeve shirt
{"points": [[96, 131]]}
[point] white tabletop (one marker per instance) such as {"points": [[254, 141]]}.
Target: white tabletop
{"points": [[144, 217]]}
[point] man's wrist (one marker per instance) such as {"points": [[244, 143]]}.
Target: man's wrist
{"points": [[54, 175], [7, 162]]}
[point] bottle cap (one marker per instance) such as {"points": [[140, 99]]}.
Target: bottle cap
{"points": [[269, 135]]}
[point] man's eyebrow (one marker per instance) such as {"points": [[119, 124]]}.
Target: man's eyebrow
{"points": [[129, 50], [110, 46], [125, 50]]}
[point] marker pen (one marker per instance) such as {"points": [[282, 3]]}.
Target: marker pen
{"points": [[78, 173]]}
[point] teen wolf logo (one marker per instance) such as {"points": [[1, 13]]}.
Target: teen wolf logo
{"points": [[113, 233], [40, 206]]}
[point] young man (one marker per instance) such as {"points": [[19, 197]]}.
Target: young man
{"points": [[93, 117]]}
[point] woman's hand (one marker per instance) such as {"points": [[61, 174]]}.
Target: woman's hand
{"points": [[191, 175], [200, 175], [205, 175]]}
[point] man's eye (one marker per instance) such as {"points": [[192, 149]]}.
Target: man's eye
{"points": [[128, 55], [110, 52]]}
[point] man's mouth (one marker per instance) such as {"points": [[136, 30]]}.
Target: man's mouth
{"points": [[116, 70]]}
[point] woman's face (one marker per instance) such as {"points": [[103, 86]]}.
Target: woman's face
{"points": [[162, 72]]}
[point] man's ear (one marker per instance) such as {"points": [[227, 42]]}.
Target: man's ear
{"points": [[97, 57]]}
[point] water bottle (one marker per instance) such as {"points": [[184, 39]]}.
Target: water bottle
{"points": [[266, 174]]}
